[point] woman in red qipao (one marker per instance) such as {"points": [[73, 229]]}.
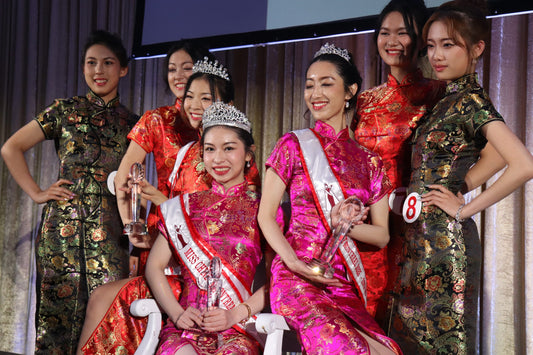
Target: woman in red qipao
{"points": [[109, 326], [385, 119]]}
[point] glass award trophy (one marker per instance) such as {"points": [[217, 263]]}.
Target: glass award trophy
{"points": [[135, 227], [350, 211], [214, 283]]}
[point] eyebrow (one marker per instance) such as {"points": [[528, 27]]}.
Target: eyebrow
{"points": [[321, 78], [106, 58], [387, 28]]}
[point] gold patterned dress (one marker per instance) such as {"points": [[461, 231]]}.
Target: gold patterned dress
{"points": [[80, 244], [439, 279]]}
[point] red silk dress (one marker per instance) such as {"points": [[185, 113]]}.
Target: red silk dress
{"points": [[162, 132], [385, 119]]}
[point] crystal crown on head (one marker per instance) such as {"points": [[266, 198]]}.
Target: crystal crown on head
{"points": [[332, 49], [209, 67], [222, 114]]}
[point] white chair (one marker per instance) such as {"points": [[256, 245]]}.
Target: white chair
{"points": [[271, 325]]}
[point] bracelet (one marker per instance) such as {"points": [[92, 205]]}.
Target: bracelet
{"points": [[249, 310], [458, 214]]}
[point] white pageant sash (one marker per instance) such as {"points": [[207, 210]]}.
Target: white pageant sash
{"points": [[173, 177], [327, 191], [196, 254]]}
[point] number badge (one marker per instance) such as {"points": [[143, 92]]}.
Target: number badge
{"points": [[111, 181], [412, 207]]}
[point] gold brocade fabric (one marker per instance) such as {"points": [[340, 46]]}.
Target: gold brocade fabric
{"points": [[80, 244]]}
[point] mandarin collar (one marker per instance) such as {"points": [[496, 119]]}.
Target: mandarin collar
{"points": [[408, 79], [98, 101], [177, 103], [462, 84], [327, 131], [232, 191]]}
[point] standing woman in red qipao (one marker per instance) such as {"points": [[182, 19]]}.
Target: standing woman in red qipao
{"points": [[385, 118]]}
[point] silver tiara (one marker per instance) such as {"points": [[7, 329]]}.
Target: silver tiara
{"points": [[208, 67], [331, 49], [222, 114]]}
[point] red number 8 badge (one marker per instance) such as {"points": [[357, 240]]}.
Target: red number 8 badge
{"points": [[412, 207]]}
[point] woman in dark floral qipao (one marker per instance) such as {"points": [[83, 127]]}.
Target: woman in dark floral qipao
{"points": [[440, 277], [80, 244]]}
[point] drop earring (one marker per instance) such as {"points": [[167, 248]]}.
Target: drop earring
{"points": [[347, 104]]}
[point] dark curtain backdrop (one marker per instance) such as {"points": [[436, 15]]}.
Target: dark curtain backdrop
{"points": [[40, 60]]}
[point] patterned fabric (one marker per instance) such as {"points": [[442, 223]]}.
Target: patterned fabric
{"points": [[122, 333], [439, 281], [327, 319], [162, 132], [80, 244], [385, 119], [227, 220]]}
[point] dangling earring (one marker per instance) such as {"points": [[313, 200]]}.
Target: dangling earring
{"points": [[347, 104], [474, 61], [248, 164]]}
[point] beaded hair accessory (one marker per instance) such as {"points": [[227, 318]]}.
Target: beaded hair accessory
{"points": [[332, 49], [222, 114], [208, 67]]}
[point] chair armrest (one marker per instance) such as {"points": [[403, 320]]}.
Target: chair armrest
{"points": [[273, 325], [268, 323], [142, 308]]}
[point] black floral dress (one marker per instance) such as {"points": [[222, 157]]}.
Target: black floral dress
{"points": [[80, 244], [438, 290]]}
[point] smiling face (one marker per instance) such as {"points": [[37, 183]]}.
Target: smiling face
{"points": [[196, 100], [325, 95], [449, 58], [225, 156], [180, 66], [102, 71], [395, 46]]}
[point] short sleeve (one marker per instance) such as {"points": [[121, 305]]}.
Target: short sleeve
{"points": [[141, 133], [483, 112], [284, 157], [50, 120], [380, 183]]}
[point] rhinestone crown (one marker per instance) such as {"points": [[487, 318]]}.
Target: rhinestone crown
{"points": [[222, 114], [208, 67], [332, 49]]}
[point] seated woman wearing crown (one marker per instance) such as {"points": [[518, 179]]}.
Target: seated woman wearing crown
{"points": [[199, 227]]}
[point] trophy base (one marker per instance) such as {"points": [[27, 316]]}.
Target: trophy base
{"points": [[135, 228], [321, 268]]}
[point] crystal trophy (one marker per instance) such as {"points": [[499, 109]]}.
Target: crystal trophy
{"points": [[135, 227], [351, 211], [214, 283]]}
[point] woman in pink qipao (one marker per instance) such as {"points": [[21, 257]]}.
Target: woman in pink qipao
{"points": [[328, 314], [195, 228]]}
